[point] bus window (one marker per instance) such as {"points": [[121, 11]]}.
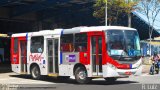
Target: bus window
{"points": [[37, 44], [15, 45], [81, 42], [67, 44], [123, 43]]}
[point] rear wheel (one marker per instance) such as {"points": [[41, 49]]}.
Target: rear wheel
{"points": [[157, 68], [35, 72], [157, 71], [81, 75]]}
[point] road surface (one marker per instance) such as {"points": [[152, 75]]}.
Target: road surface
{"points": [[20, 82]]}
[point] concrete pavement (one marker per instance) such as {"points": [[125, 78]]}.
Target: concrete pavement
{"points": [[15, 81], [146, 68], [18, 82]]}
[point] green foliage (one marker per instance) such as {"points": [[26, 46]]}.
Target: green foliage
{"points": [[114, 8], [99, 7], [129, 6]]}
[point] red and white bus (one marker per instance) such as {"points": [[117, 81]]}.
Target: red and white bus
{"points": [[106, 52]]}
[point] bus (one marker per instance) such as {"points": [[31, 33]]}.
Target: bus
{"points": [[108, 52]]}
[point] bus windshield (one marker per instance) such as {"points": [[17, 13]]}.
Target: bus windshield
{"points": [[123, 43]]}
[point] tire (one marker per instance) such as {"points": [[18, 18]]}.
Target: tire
{"points": [[110, 79], [35, 72], [157, 68], [81, 75], [152, 70]]}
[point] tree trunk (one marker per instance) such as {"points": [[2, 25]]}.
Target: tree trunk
{"points": [[150, 39], [129, 19]]}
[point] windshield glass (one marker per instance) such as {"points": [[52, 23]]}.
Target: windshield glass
{"points": [[124, 43]]}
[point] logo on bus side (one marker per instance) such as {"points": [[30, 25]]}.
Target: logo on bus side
{"points": [[71, 58], [36, 57]]}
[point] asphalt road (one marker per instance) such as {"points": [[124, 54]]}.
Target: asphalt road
{"points": [[12, 81]]}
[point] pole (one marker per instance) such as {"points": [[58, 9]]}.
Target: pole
{"points": [[106, 13], [150, 39]]}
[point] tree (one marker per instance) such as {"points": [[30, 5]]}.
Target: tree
{"points": [[128, 6], [150, 8], [114, 7]]}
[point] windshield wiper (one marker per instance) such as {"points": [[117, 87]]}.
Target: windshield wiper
{"points": [[124, 48], [121, 56]]}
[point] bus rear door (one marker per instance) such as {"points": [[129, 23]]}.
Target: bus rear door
{"points": [[52, 55], [23, 56], [19, 54]]}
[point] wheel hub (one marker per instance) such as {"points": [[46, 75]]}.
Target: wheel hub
{"points": [[82, 75], [35, 72]]}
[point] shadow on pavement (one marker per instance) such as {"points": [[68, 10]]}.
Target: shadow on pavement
{"points": [[103, 82], [5, 68], [72, 81]]}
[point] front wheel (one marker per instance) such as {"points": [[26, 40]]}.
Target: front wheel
{"points": [[35, 72], [81, 75]]}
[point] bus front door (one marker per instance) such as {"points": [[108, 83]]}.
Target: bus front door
{"points": [[96, 55], [52, 54]]}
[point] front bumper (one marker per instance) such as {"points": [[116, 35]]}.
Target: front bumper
{"points": [[111, 71]]}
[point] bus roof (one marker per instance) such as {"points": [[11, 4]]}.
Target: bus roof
{"points": [[95, 28], [42, 32], [19, 35], [72, 30]]}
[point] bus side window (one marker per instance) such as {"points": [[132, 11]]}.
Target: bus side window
{"points": [[81, 42], [67, 44], [37, 44], [15, 42]]}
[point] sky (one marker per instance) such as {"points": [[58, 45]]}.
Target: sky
{"points": [[141, 15], [144, 17]]}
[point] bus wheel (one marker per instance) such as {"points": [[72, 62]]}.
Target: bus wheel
{"points": [[110, 79], [81, 75], [35, 72]]}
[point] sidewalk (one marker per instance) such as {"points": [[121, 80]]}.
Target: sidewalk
{"points": [[146, 64], [146, 68]]}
